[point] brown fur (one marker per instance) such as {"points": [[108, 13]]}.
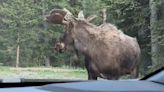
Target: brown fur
{"points": [[113, 53]]}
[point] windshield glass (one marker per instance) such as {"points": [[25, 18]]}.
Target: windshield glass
{"points": [[159, 77], [81, 39]]}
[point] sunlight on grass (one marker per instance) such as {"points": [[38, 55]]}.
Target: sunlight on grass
{"points": [[43, 73]]}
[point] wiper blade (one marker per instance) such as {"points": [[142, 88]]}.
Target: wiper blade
{"points": [[153, 73], [10, 80], [158, 82], [21, 82]]}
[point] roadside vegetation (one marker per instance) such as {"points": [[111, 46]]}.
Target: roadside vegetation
{"points": [[43, 73]]}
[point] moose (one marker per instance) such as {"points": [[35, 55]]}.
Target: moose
{"points": [[109, 53]]}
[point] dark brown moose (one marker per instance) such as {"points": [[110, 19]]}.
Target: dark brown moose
{"points": [[109, 53]]}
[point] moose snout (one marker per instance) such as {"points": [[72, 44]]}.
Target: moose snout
{"points": [[59, 47]]}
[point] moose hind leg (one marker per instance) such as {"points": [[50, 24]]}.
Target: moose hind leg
{"points": [[134, 73]]}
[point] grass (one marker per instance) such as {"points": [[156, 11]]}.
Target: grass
{"points": [[43, 73]]}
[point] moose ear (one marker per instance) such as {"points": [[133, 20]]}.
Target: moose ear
{"points": [[81, 15]]}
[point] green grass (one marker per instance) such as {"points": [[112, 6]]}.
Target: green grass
{"points": [[43, 73]]}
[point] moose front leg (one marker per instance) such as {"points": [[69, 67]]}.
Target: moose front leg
{"points": [[91, 73], [91, 76]]}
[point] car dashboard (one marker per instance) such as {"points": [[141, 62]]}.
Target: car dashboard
{"points": [[151, 83], [94, 86]]}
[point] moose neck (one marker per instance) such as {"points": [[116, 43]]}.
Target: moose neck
{"points": [[83, 35]]}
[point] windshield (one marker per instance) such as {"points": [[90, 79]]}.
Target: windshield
{"points": [[81, 39], [158, 77]]}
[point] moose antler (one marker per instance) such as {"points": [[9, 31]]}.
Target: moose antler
{"points": [[57, 16], [67, 11], [90, 18], [104, 16], [82, 17]]}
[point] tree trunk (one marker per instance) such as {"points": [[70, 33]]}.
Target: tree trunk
{"points": [[47, 61], [46, 58], [144, 39], [45, 27], [17, 52], [157, 50]]}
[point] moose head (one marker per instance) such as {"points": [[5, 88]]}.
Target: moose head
{"points": [[65, 17]]}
